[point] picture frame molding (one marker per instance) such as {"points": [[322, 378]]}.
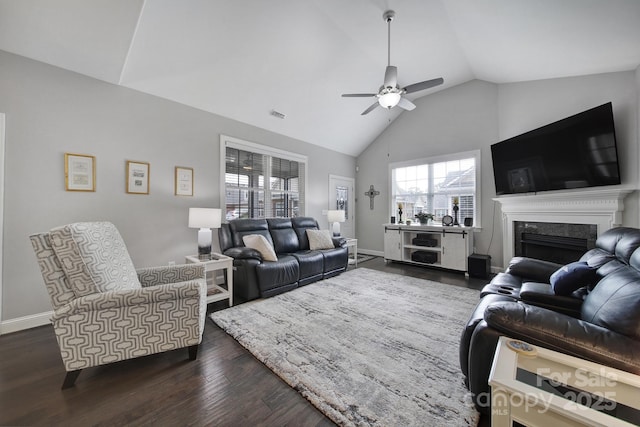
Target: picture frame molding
{"points": [[73, 174]]}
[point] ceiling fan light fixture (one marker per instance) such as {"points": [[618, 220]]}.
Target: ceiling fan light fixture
{"points": [[389, 99], [390, 93]]}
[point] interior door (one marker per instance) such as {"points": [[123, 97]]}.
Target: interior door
{"points": [[341, 197]]}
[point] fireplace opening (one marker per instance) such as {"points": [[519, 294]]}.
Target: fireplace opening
{"points": [[556, 242], [559, 249]]}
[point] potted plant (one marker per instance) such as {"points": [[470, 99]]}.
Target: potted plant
{"points": [[424, 217]]}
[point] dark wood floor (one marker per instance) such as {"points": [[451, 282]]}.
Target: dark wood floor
{"points": [[225, 386]]}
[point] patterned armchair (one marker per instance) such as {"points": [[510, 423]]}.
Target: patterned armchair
{"points": [[106, 311]]}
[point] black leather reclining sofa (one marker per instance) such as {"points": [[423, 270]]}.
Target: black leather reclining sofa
{"points": [[599, 322], [297, 265]]}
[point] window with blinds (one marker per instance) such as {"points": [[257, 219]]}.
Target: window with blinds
{"points": [[260, 182]]}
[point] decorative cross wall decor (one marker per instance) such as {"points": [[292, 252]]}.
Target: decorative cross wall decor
{"points": [[371, 194]]}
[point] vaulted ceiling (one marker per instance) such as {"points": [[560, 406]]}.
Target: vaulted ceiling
{"points": [[243, 59]]}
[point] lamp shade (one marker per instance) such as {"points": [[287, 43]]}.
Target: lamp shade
{"points": [[204, 218], [335, 216]]}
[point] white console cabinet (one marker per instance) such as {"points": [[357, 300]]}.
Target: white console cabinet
{"points": [[392, 244], [448, 247]]}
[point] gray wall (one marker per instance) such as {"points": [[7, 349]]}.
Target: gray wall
{"points": [[528, 105], [461, 118], [50, 111], [477, 114]]}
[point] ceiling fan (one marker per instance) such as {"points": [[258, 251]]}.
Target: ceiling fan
{"points": [[390, 94]]}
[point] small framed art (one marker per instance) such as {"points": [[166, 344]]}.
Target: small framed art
{"points": [[79, 172], [138, 177], [184, 181]]}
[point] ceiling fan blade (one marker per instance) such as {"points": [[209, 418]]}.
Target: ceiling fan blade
{"points": [[370, 109], [358, 95], [423, 85], [391, 76], [404, 103]]}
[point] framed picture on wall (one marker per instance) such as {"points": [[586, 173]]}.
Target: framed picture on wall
{"points": [[184, 181], [137, 177], [79, 172]]}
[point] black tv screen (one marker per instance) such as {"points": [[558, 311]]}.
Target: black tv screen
{"points": [[576, 152]]}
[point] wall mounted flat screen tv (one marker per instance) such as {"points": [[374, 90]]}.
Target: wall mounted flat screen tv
{"points": [[576, 152]]}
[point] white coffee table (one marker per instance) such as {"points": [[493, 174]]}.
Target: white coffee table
{"points": [[217, 262], [554, 389]]}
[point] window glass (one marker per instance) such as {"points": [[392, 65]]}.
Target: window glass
{"points": [[432, 186], [245, 193]]}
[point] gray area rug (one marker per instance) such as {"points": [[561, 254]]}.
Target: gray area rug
{"points": [[365, 347], [363, 258]]}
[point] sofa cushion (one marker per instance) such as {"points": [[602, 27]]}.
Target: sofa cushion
{"points": [[335, 261], [575, 337], [627, 244], [301, 224], [311, 264], [320, 239], [260, 243], [535, 270], [615, 303], [284, 237], [277, 277], [94, 258], [243, 227], [597, 257], [572, 276]]}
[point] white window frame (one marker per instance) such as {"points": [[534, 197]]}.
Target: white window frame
{"points": [[477, 221], [240, 144]]}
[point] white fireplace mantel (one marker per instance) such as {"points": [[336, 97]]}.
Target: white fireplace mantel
{"points": [[600, 207]]}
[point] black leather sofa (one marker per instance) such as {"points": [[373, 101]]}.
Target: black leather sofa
{"points": [[297, 265], [599, 322]]}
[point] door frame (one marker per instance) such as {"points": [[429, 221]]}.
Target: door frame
{"points": [[2, 173], [350, 198]]}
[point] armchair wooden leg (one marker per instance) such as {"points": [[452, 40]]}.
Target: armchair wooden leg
{"points": [[70, 378], [193, 352]]}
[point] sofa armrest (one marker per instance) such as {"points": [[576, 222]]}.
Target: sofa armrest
{"points": [[339, 242], [163, 275], [476, 317], [134, 297], [542, 295], [536, 270], [241, 252], [565, 334]]}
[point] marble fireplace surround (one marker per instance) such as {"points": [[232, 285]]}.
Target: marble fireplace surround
{"points": [[600, 207]]}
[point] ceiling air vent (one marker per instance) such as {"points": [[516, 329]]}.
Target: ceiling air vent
{"points": [[277, 114]]}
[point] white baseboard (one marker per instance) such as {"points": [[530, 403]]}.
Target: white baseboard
{"points": [[370, 252], [494, 269], [26, 322]]}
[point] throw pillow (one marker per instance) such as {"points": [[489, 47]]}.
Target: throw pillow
{"points": [[260, 244], [320, 239], [571, 277]]}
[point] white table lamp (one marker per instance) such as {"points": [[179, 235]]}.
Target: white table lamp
{"points": [[205, 219], [336, 217]]}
